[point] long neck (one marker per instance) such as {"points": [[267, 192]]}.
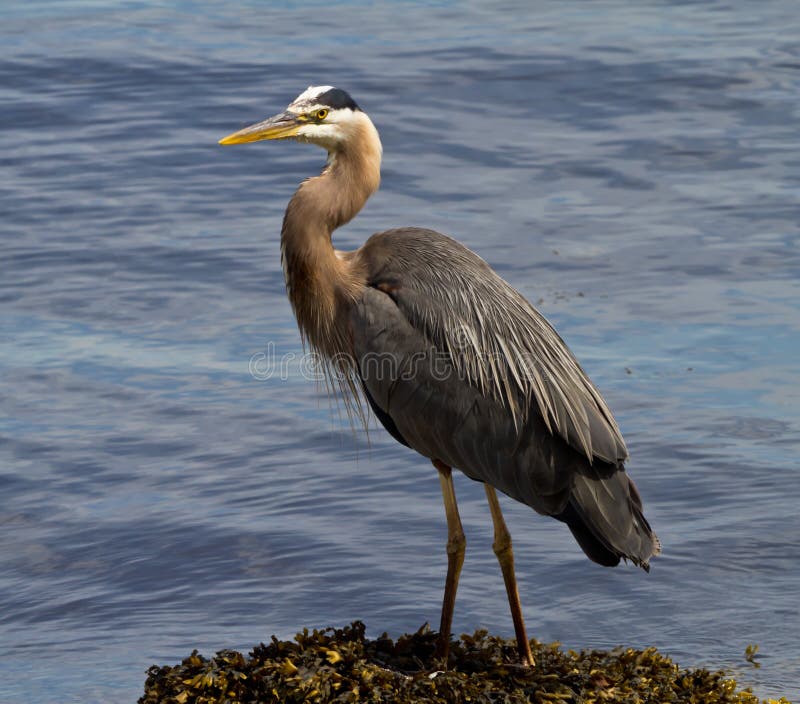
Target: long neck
{"points": [[320, 281]]}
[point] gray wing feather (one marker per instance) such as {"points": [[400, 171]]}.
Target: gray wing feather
{"points": [[495, 340]]}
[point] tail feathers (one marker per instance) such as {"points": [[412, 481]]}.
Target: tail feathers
{"points": [[595, 550], [606, 519]]}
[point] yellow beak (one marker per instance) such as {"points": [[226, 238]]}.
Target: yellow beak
{"points": [[281, 126]]}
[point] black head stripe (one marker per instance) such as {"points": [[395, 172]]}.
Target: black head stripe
{"points": [[336, 99]]}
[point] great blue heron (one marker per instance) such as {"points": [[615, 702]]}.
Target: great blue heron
{"points": [[453, 361]]}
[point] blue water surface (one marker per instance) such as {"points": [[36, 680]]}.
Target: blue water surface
{"points": [[633, 171]]}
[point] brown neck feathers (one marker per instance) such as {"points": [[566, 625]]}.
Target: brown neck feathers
{"points": [[319, 281]]}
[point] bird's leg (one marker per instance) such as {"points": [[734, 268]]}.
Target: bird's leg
{"points": [[505, 556], [456, 546]]}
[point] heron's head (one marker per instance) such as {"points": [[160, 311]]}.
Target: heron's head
{"points": [[322, 115]]}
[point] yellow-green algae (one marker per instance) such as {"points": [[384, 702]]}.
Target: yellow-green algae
{"points": [[342, 665]]}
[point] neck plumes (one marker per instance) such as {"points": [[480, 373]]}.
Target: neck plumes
{"points": [[321, 282]]}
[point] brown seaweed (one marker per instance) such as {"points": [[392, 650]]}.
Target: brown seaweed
{"points": [[342, 665]]}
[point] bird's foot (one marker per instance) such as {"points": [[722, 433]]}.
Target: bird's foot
{"points": [[441, 657]]}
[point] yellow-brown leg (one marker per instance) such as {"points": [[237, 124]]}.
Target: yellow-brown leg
{"points": [[456, 546], [505, 556]]}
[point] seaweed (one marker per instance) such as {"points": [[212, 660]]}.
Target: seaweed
{"points": [[342, 665]]}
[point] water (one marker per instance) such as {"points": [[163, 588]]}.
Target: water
{"points": [[633, 171]]}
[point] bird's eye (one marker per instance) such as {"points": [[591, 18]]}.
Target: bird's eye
{"points": [[322, 114]]}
